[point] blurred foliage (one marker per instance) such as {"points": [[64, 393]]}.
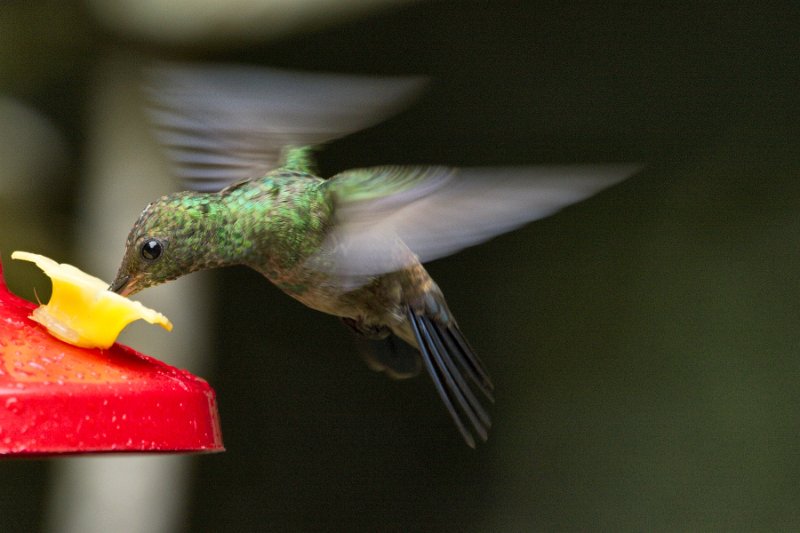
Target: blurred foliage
{"points": [[644, 344]]}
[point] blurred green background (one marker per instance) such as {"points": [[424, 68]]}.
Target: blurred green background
{"points": [[644, 344]]}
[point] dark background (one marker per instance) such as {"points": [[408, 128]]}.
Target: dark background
{"points": [[644, 344]]}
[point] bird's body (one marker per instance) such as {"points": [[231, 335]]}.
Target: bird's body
{"points": [[351, 245], [275, 225], [280, 225]]}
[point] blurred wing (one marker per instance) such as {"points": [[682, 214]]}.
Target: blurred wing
{"points": [[221, 124], [436, 211]]}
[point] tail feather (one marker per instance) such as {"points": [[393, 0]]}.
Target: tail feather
{"points": [[448, 357], [473, 366], [455, 363]]}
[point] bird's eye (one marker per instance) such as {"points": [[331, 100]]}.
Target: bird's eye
{"points": [[152, 249]]}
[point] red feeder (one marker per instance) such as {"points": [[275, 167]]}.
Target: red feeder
{"points": [[56, 398]]}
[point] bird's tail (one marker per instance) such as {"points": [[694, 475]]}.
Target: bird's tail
{"points": [[454, 367]]}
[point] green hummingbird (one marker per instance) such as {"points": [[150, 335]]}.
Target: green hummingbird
{"points": [[351, 245]]}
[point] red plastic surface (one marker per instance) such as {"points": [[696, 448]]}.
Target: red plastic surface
{"points": [[56, 398]]}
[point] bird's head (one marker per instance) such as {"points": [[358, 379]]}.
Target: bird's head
{"points": [[169, 239]]}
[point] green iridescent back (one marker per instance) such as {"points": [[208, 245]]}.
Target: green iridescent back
{"points": [[275, 222]]}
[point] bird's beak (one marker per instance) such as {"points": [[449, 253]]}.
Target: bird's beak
{"points": [[123, 285]]}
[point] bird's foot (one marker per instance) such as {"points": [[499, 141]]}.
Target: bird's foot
{"points": [[370, 331]]}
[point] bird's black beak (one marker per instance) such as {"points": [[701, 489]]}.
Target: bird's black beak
{"points": [[121, 285]]}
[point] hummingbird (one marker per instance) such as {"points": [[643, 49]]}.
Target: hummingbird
{"points": [[242, 140]]}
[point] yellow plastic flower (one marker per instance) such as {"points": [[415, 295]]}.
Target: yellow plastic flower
{"points": [[82, 311]]}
